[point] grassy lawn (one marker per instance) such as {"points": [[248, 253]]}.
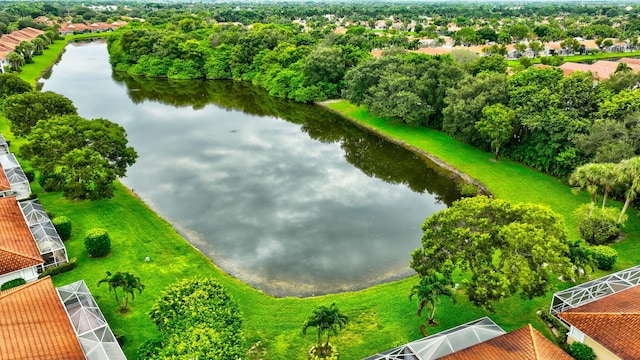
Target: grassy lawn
{"points": [[381, 316]]}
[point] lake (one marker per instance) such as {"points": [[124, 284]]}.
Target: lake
{"points": [[290, 198]]}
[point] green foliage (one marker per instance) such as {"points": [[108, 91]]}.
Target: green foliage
{"points": [[198, 319], [604, 256], [491, 63], [428, 292], [97, 242], [496, 125], [327, 320], [30, 174], [124, 281], [24, 110], [120, 335], [148, 349], [12, 283], [580, 351], [12, 84], [62, 268], [494, 240], [468, 190], [63, 226], [79, 156], [598, 226], [316, 353], [552, 60]]}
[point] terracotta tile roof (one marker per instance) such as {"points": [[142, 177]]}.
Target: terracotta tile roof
{"points": [[523, 344], [18, 249], [34, 324], [4, 182], [630, 61], [613, 321]]}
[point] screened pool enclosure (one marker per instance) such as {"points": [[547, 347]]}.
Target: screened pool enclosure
{"points": [[44, 233], [93, 331]]}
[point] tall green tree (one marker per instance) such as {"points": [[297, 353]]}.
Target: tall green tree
{"points": [[428, 293], [496, 125], [81, 157], [327, 320], [125, 283], [506, 249], [24, 110], [11, 84]]}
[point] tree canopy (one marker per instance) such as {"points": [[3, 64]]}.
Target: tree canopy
{"points": [[198, 319], [24, 110], [79, 156], [507, 249]]}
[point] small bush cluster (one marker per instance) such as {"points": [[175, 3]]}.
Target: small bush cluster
{"points": [[561, 338], [97, 242], [62, 268], [580, 351], [332, 356], [598, 226], [604, 256], [12, 283], [468, 190], [63, 226], [197, 319], [120, 336]]}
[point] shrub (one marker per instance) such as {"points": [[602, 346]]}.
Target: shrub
{"points": [[598, 226], [604, 256], [63, 226], [468, 190], [313, 353], [580, 351], [12, 283], [97, 242], [120, 336], [148, 349], [62, 268], [30, 174]]}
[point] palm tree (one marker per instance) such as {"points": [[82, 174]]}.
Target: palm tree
{"points": [[325, 319], [586, 177], [125, 281], [39, 45], [428, 292], [581, 257], [16, 60], [609, 177], [25, 48], [629, 177]]}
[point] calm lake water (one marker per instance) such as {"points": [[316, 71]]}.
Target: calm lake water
{"points": [[289, 198]]}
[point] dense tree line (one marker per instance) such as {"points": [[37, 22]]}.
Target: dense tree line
{"points": [[556, 123]]}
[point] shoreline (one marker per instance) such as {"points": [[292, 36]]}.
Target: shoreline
{"points": [[482, 189]]}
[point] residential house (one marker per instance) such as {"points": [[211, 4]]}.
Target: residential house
{"points": [[604, 314], [479, 339], [9, 42], [19, 254], [41, 322]]}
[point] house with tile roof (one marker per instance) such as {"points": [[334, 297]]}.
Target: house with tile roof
{"points": [[604, 314], [8, 43], [41, 322], [479, 339], [525, 343], [19, 254], [29, 243]]}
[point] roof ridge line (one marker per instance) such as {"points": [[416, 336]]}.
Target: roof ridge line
{"points": [[533, 340]]}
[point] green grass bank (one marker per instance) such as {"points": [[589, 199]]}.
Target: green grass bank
{"points": [[381, 316]]}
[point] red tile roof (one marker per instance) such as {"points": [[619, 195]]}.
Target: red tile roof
{"points": [[35, 325], [18, 249], [613, 321], [523, 344], [4, 182]]}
